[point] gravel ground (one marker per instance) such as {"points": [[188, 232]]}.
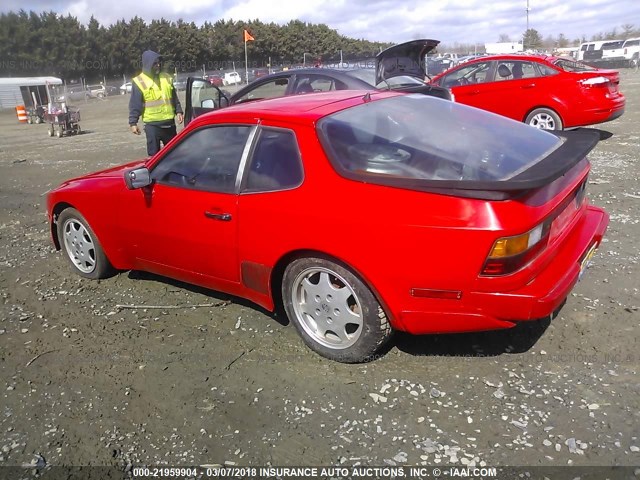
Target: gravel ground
{"points": [[85, 380]]}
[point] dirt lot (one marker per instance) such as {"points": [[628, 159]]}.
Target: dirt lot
{"points": [[84, 382]]}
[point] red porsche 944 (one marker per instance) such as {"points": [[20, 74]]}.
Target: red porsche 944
{"points": [[357, 213]]}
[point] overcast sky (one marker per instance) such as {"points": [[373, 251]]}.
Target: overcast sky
{"points": [[462, 21]]}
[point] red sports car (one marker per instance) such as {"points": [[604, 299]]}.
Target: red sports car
{"points": [[344, 209], [538, 90], [215, 80]]}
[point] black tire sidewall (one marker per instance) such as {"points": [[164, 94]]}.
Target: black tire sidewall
{"points": [[103, 267], [375, 330]]}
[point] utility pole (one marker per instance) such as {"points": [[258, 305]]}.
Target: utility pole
{"points": [[527, 30]]}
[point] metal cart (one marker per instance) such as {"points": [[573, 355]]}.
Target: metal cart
{"points": [[35, 114], [63, 120]]}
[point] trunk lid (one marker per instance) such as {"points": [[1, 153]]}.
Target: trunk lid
{"points": [[406, 59]]}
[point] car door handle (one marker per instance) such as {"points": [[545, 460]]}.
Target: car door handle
{"points": [[224, 217], [529, 85]]}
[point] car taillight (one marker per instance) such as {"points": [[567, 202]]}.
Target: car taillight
{"points": [[595, 82], [512, 253]]}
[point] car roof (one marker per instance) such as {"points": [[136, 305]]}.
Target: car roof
{"points": [[297, 108]]}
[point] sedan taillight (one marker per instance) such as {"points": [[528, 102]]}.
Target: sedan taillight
{"points": [[595, 82]]}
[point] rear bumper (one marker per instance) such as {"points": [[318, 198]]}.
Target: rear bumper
{"points": [[538, 299], [603, 114]]}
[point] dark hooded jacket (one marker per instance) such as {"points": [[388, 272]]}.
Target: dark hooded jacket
{"points": [[136, 103]]}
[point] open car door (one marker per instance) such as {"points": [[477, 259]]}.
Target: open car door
{"points": [[202, 97]]}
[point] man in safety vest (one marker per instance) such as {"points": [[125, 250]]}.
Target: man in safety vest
{"points": [[154, 98]]}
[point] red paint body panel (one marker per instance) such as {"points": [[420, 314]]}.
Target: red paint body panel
{"points": [[576, 104], [396, 240]]}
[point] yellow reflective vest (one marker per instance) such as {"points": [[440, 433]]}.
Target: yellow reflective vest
{"points": [[156, 97]]}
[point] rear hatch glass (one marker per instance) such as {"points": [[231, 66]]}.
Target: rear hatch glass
{"points": [[419, 142]]}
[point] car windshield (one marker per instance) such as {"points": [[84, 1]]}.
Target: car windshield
{"points": [[369, 75], [418, 137], [572, 66]]}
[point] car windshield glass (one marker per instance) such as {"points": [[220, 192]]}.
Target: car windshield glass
{"points": [[369, 76], [426, 138]]}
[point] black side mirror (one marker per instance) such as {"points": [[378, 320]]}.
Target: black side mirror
{"points": [[137, 178]]}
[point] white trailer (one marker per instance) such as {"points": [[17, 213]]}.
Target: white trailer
{"points": [[26, 91], [503, 47]]}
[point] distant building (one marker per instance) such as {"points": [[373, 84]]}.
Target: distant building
{"points": [[27, 91], [503, 47]]}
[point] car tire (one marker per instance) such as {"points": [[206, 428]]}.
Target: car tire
{"points": [[334, 312], [545, 119], [81, 246]]}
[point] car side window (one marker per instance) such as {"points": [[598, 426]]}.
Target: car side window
{"points": [[469, 74], [517, 70], [504, 71], [547, 71], [208, 159], [529, 70], [205, 95], [275, 163], [316, 83], [271, 89]]}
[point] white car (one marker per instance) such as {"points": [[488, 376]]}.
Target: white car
{"points": [[97, 91], [232, 78], [125, 88]]}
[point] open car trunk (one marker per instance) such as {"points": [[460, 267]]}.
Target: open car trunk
{"points": [[404, 59]]}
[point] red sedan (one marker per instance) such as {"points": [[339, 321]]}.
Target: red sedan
{"points": [[537, 90], [342, 208]]}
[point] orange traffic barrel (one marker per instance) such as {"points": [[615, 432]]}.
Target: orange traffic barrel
{"points": [[22, 113]]}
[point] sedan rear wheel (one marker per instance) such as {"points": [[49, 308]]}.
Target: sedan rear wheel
{"points": [[81, 246], [335, 313], [544, 119]]}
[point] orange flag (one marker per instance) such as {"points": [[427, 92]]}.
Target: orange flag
{"points": [[248, 37]]}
